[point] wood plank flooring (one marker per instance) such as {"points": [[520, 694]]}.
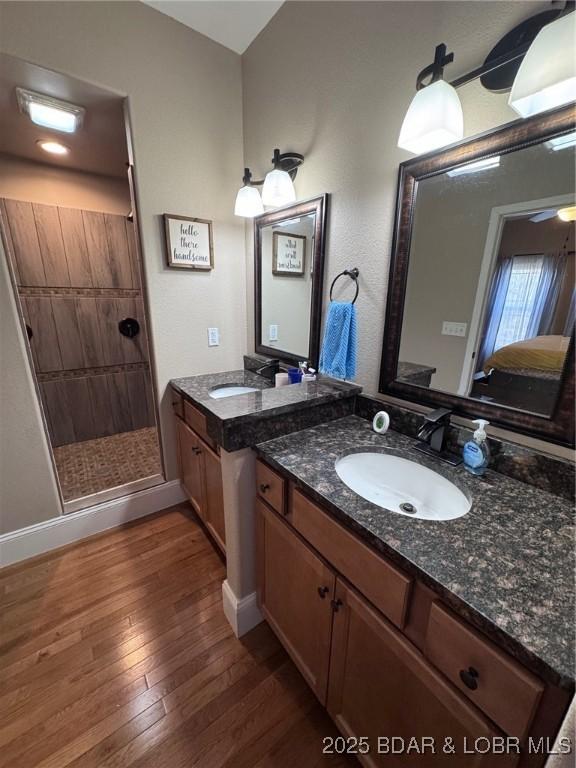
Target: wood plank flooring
{"points": [[115, 652]]}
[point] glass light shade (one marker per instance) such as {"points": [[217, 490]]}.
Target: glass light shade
{"points": [[547, 76], [278, 189], [567, 214], [434, 119], [248, 202]]}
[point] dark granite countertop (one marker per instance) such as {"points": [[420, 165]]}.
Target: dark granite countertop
{"points": [[244, 420], [507, 566]]}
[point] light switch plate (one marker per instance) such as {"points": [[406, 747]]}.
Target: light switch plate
{"points": [[273, 333], [454, 329], [213, 337]]}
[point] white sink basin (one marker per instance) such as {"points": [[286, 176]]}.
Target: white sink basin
{"points": [[402, 486], [230, 390]]}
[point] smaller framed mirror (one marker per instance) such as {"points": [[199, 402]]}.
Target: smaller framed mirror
{"points": [[288, 280]]}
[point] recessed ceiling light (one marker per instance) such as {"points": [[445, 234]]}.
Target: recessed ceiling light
{"points": [[50, 112], [54, 147]]}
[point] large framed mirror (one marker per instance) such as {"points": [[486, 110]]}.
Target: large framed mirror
{"points": [[481, 303], [289, 271]]}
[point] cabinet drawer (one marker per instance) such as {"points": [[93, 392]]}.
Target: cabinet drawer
{"points": [[270, 487], [504, 690], [383, 584], [196, 419]]}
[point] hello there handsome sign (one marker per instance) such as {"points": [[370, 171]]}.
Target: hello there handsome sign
{"points": [[188, 242]]}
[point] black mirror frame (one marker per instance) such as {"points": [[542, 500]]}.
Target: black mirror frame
{"points": [[318, 206], [559, 426]]}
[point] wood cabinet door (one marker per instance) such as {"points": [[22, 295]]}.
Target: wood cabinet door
{"points": [[381, 686], [192, 467], [214, 497], [295, 590]]}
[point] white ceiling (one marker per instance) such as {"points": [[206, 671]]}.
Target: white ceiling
{"points": [[233, 23], [100, 144]]}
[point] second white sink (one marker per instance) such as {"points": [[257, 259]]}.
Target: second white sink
{"points": [[402, 486], [230, 390]]}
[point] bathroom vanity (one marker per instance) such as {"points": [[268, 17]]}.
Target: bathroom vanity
{"points": [[414, 628], [215, 435]]}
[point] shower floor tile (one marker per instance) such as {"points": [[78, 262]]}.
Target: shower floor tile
{"points": [[96, 465]]}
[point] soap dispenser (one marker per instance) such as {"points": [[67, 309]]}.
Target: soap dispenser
{"points": [[476, 453]]}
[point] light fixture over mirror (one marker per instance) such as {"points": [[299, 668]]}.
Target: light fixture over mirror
{"points": [[434, 118], [278, 187], [535, 60], [547, 76]]}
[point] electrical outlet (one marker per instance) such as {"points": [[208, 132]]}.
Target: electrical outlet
{"points": [[273, 333], [213, 337], [454, 329]]}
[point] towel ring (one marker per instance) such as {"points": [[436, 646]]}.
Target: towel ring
{"points": [[353, 273]]}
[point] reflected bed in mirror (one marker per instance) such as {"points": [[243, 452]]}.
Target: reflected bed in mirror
{"points": [[289, 265], [480, 314]]}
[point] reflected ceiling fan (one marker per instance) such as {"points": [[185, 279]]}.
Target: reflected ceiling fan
{"points": [[563, 213], [549, 213]]}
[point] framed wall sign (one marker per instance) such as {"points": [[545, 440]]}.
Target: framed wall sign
{"points": [[188, 242], [288, 254]]}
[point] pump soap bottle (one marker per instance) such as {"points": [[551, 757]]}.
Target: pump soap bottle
{"points": [[476, 453]]}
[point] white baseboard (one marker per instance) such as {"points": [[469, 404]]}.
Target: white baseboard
{"points": [[243, 614], [59, 531]]}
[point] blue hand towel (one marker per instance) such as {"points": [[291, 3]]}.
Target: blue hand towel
{"points": [[338, 354]]}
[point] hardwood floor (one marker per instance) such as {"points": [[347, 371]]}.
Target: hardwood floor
{"points": [[115, 652]]}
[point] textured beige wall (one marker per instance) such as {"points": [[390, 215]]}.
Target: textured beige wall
{"points": [[38, 183], [28, 490], [333, 80], [185, 102]]}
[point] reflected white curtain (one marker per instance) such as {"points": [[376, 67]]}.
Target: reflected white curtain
{"points": [[522, 301]]}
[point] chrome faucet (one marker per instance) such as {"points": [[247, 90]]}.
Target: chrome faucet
{"points": [[432, 435], [269, 370]]}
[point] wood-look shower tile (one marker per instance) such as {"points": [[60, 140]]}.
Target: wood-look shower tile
{"points": [[109, 315], [5, 224], [74, 239], [60, 416], [137, 382], [68, 332], [101, 410], [97, 247], [120, 266], [51, 245], [120, 402], [133, 350], [133, 251], [25, 242], [77, 396], [90, 332], [44, 342], [26, 316]]}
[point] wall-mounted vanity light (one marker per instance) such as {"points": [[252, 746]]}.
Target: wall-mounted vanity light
{"points": [[535, 61], [277, 187], [434, 117]]}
